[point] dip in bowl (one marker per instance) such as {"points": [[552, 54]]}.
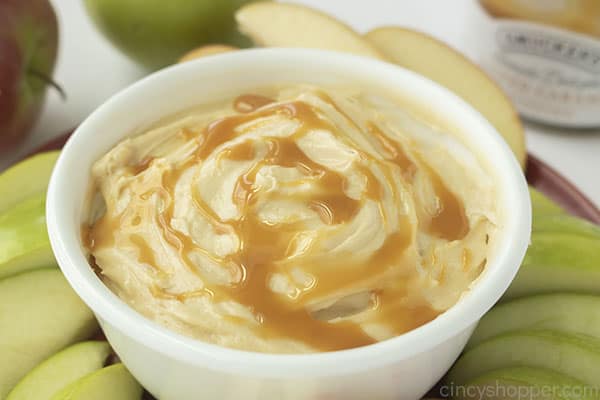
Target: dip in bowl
{"points": [[287, 224]]}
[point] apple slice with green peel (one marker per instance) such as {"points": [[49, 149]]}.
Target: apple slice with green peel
{"points": [[113, 382], [439, 62], [561, 312], [565, 224], [525, 383], [542, 205], [39, 315], [60, 370], [24, 240], [271, 24], [29, 177], [558, 262], [573, 355]]}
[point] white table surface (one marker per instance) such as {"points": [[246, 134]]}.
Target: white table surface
{"points": [[90, 70]]}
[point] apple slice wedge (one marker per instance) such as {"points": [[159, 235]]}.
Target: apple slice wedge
{"points": [[573, 355], [60, 370], [560, 312], [523, 382], [558, 262], [26, 178], [113, 382], [24, 243], [439, 62], [39, 315], [271, 24]]}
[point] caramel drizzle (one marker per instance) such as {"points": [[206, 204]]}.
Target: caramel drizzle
{"points": [[264, 248], [450, 222]]}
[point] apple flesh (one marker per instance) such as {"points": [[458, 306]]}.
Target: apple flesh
{"points": [[573, 355], [558, 262], [39, 315], [559, 312], [155, 33], [28, 47], [205, 51], [26, 178], [113, 382], [60, 370], [24, 242], [271, 24], [439, 62], [520, 383]]}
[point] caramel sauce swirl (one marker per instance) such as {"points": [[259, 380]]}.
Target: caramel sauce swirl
{"points": [[300, 230]]}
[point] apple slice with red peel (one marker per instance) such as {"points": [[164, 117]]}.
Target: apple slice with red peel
{"points": [[60, 370], [26, 178], [439, 62], [39, 315], [271, 24], [205, 51], [113, 382], [24, 243]]}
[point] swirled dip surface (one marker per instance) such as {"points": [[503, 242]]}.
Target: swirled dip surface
{"points": [[309, 220]]}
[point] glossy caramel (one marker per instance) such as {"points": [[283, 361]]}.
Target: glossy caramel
{"points": [[264, 248]]}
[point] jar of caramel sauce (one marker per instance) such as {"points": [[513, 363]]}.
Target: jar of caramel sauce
{"points": [[546, 55]]}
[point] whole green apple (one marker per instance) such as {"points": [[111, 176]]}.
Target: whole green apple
{"points": [[156, 33], [28, 46]]}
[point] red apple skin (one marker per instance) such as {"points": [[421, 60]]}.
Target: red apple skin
{"points": [[28, 48]]}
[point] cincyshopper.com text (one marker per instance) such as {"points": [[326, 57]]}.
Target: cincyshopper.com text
{"points": [[518, 392]]}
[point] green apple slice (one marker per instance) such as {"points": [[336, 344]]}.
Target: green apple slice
{"points": [[566, 224], [542, 205], [561, 312], [525, 383], [24, 240], [60, 370], [573, 355], [39, 315], [114, 383], [26, 178], [558, 262]]}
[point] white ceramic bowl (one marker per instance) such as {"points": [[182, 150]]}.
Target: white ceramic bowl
{"points": [[179, 368]]}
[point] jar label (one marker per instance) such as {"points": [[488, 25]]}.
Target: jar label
{"points": [[552, 75]]}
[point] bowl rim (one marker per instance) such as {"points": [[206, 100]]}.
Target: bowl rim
{"points": [[459, 318]]}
